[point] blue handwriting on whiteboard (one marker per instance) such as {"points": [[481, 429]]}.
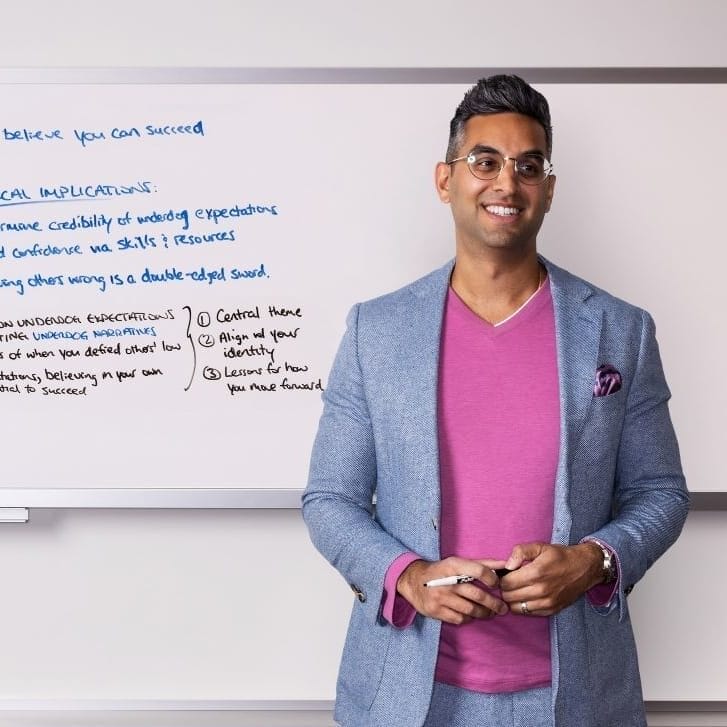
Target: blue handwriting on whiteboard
{"points": [[93, 191], [85, 137], [125, 331], [14, 194], [168, 216], [215, 214], [31, 135], [192, 239], [102, 283], [82, 222], [33, 226], [42, 250]]}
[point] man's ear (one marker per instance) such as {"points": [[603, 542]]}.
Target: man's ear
{"points": [[442, 176]]}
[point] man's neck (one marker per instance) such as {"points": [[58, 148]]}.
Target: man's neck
{"points": [[495, 289]]}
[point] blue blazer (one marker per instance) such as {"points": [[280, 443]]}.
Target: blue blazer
{"points": [[619, 480]]}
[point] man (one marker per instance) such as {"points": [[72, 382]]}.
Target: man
{"points": [[505, 414]]}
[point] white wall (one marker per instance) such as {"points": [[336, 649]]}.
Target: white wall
{"points": [[92, 594], [168, 605]]}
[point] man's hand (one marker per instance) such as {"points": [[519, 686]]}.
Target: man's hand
{"points": [[453, 604], [554, 578]]}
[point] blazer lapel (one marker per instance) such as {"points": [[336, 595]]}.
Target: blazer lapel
{"points": [[419, 378], [578, 334]]}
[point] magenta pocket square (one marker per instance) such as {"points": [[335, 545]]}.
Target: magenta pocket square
{"points": [[608, 380]]}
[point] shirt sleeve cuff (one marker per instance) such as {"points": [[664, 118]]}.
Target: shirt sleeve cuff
{"points": [[394, 607], [603, 593]]}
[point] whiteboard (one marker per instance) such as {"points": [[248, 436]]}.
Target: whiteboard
{"points": [[176, 261]]}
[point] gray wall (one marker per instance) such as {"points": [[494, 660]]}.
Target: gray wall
{"points": [[329, 33]]}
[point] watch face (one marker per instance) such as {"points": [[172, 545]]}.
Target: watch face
{"points": [[609, 570]]}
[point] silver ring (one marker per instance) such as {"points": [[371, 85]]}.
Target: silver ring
{"points": [[524, 610]]}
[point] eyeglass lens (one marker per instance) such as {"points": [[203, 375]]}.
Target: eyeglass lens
{"points": [[532, 169]]}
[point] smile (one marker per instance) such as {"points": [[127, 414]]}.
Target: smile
{"points": [[502, 211]]}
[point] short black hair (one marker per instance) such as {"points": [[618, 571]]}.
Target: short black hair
{"points": [[497, 95]]}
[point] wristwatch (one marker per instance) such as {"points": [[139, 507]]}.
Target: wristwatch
{"points": [[609, 566]]}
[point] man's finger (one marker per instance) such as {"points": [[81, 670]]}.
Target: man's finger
{"points": [[531, 608], [489, 577], [484, 598], [523, 552]]}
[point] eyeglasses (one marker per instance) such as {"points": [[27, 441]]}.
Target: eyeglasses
{"points": [[530, 168]]}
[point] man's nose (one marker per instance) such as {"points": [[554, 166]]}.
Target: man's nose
{"points": [[507, 180]]}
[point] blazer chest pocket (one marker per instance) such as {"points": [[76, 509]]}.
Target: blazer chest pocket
{"points": [[602, 427], [608, 407]]}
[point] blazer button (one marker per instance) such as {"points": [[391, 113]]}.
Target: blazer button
{"points": [[359, 593]]}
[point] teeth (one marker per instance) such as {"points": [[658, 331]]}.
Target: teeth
{"points": [[504, 211]]}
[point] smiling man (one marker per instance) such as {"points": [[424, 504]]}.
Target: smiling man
{"points": [[512, 422]]}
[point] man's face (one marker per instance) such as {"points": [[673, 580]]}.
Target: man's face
{"points": [[502, 213]]}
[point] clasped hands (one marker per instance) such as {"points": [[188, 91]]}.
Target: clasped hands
{"points": [[547, 577]]}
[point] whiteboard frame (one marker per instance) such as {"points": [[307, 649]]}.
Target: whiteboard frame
{"points": [[193, 498], [139, 498], [153, 76], [108, 707]]}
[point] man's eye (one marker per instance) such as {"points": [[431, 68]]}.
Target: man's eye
{"points": [[530, 167], [486, 162]]}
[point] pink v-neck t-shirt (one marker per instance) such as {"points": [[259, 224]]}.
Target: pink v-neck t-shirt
{"points": [[499, 428], [499, 432]]}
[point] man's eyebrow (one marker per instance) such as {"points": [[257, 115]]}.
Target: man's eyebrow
{"points": [[534, 153], [486, 149]]}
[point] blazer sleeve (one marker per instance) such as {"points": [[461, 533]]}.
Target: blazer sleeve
{"points": [[651, 501], [337, 502]]}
